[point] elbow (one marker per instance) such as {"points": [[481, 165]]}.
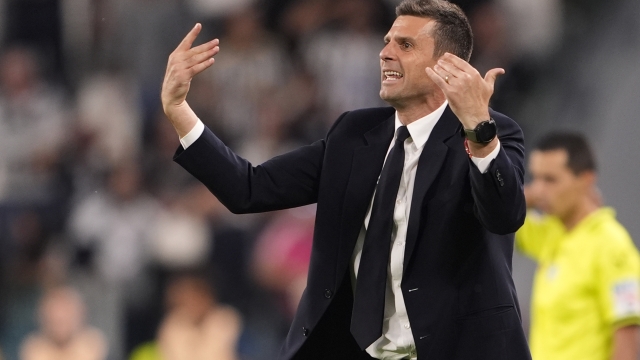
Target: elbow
{"points": [[507, 222], [233, 202], [236, 207]]}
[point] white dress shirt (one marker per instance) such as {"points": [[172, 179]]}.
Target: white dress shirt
{"points": [[397, 340]]}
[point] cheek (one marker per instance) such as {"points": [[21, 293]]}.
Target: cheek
{"points": [[564, 197]]}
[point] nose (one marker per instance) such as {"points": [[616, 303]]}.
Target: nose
{"points": [[386, 53]]}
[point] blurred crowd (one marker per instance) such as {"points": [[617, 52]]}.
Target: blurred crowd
{"points": [[109, 250]]}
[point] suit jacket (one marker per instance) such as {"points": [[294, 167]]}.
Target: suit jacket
{"points": [[457, 282]]}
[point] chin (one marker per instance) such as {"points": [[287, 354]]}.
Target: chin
{"points": [[384, 95]]}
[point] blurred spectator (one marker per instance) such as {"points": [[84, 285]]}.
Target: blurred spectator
{"points": [[112, 226], [32, 130], [254, 62], [346, 59], [142, 34], [24, 269], [534, 27], [181, 237], [37, 23], [108, 128], [271, 137], [63, 334], [195, 327], [111, 229]]}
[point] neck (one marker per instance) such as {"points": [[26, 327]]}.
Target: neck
{"points": [[410, 113], [582, 210]]}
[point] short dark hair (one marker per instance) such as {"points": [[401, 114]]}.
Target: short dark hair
{"points": [[452, 32], [579, 155]]}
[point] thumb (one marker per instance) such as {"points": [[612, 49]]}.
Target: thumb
{"points": [[492, 75]]}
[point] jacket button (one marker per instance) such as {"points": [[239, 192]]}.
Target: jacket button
{"points": [[328, 293], [305, 331]]}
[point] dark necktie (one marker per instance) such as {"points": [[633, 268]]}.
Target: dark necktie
{"points": [[368, 303]]}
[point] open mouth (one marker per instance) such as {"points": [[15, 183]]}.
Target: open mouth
{"points": [[391, 75]]}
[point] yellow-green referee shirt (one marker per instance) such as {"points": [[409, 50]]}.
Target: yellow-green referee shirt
{"points": [[587, 284]]}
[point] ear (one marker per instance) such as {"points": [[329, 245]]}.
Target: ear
{"points": [[589, 178]]}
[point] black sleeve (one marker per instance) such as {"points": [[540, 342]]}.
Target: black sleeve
{"points": [[499, 192], [286, 181]]}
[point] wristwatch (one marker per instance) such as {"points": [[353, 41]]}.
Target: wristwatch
{"points": [[483, 133]]}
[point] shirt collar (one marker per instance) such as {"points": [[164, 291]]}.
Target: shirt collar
{"points": [[420, 130]]}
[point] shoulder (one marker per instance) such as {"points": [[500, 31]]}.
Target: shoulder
{"points": [[611, 240], [608, 230], [33, 346]]}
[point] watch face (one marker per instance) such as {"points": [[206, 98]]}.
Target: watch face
{"points": [[486, 131]]}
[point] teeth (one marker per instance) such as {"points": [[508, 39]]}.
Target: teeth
{"points": [[392, 74]]}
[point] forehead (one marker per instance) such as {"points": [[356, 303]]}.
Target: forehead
{"points": [[411, 26], [549, 160]]}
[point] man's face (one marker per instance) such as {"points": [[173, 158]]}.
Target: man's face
{"points": [[408, 51], [555, 189]]}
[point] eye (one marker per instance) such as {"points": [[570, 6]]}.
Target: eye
{"points": [[405, 45]]}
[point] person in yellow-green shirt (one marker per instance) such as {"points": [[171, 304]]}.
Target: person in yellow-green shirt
{"points": [[586, 292]]}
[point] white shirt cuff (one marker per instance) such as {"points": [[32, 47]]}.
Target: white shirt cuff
{"points": [[483, 163], [193, 135]]}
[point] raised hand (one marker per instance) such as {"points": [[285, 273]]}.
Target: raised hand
{"points": [[466, 90], [184, 63]]}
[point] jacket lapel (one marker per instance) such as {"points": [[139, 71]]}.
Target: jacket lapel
{"points": [[365, 169], [429, 164]]}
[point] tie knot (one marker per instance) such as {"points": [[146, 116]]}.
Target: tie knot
{"points": [[402, 134]]}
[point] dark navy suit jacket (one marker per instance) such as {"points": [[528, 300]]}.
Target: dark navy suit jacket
{"points": [[457, 282]]}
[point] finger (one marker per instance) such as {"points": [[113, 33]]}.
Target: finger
{"points": [[459, 63], [206, 55], [492, 75], [447, 76], [437, 79], [202, 48], [450, 68], [201, 56], [200, 67], [188, 40]]}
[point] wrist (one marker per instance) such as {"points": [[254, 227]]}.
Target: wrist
{"points": [[480, 150], [471, 121], [181, 117]]}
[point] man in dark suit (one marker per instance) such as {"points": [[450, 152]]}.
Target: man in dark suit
{"points": [[416, 204]]}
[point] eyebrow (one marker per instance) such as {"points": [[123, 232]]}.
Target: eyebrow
{"points": [[400, 39]]}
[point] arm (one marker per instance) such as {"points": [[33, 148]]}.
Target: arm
{"points": [[286, 181], [626, 343], [498, 193]]}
